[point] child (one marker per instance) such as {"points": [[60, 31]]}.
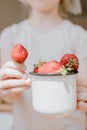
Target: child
{"points": [[47, 35]]}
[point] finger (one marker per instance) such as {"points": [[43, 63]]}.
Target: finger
{"points": [[81, 82], [81, 89], [82, 106], [11, 97], [82, 96], [20, 89], [15, 65], [11, 73], [12, 83], [13, 94]]}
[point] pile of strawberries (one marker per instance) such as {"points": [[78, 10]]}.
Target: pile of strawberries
{"points": [[67, 64]]}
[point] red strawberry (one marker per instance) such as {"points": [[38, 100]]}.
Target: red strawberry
{"points": [[35, 70], [70, 61], [37, 66], [50, 67], [19, 53]]}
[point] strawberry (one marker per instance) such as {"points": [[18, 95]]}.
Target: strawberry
{"points": [[19, 53], [37, 66], [50, 67], [70, 61], [35, 70]]}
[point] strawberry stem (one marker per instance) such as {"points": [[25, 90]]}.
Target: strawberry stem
{"points": [[66, 71]]}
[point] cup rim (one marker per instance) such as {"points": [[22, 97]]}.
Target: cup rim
{"points": [[53, 74]]}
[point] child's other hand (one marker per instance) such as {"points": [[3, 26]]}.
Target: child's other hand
{"points": [[82, 95], [13, 81]]}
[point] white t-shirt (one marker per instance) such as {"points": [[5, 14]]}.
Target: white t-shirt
{"points": [[45, 45]]}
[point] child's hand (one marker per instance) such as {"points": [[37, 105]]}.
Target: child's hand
{"points": [[82, 95], [13, 81]]}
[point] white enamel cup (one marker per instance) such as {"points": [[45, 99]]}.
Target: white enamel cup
{"points": [[53, 93]]}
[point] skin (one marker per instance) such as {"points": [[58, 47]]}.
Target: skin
{"points": [[44, 15], [82, 86], [13, 81]]}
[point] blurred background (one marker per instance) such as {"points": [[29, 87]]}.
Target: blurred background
{"points": [[12, 11]]}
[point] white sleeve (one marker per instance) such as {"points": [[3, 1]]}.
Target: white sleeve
{"points": [[80, 43], [7, 37]]}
